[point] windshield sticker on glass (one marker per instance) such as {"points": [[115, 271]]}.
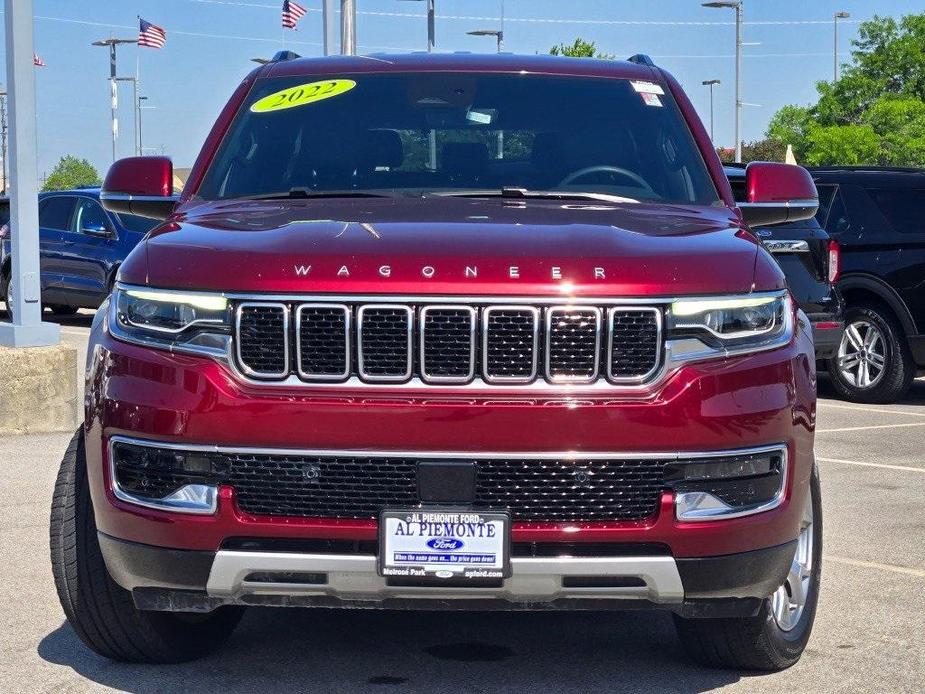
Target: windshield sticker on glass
{"points": [[647, 87], [302, 95], [650, 99]]}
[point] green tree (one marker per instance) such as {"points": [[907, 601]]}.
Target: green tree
{"points": [[71, 172], [875, 113], [579, 49]]}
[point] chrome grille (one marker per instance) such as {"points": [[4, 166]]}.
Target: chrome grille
{"points": [[573, 343], [634, 343], [448, 343], [385, 342], [510, 343], [263, 339], [323, 341]]}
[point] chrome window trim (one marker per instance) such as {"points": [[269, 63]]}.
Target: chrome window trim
{"points": [[237, 342], [473, 324], [348, 313], [409, 340], [597, 343], [659, 332], [510, 380]]}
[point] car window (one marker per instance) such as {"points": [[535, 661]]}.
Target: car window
{"points": [[90, 215], [826, 194], [837, 222], [904, 209], [140, 225], [56, 212], [408, 134]]}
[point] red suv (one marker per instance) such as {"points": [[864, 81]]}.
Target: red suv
{"points": [[448, 332]]}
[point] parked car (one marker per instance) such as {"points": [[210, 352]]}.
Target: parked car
{"points": [[877, 215], [80, 249], [360, 366], [810, 259]]}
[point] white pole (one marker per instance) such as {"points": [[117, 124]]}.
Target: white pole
{"points": [[348, 27], [27, 329], [738, 119], [329, 22]]}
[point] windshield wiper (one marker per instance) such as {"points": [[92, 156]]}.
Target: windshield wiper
{"points": [[524, 194], [300, 192]]}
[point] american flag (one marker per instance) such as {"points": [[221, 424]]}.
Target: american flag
{"points": [[151, 35], [38, 62], [292, 13]]}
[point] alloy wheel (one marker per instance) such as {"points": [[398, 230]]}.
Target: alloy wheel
{"points": [[789, 600], [862, 354]]}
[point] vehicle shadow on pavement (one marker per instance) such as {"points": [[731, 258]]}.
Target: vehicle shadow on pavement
{"points": [[358, 650], [915, 396]]}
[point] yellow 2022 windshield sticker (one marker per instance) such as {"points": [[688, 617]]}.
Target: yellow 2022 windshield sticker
{"points": [[301, 95]]}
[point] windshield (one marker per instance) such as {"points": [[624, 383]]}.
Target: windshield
{"points": [[459, 133]]}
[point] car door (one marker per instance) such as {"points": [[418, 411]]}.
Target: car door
{"points": [[55, 214], [91, 254]]}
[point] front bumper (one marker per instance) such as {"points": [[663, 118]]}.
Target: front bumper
{"points": [[195, 581]]}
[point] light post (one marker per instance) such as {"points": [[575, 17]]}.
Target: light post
{"points": [[711, 84], [348, 27], [135, 113], [499, 38], [737, 6], [431, 42], [835, 18], [140, 109], [112, 43]]}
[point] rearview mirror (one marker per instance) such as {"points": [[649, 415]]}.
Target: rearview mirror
{"points": [[778, 193], [140, 185]]}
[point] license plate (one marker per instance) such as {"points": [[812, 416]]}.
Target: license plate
{"points": [[444, 544]]}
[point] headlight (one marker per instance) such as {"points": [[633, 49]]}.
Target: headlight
{"points": [[749, 322], [184, 321]]}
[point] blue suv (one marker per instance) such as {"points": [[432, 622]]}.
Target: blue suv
{"points": [[81, 247]]}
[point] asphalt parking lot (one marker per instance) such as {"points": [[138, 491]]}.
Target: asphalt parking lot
{"points": [[869, 634]]}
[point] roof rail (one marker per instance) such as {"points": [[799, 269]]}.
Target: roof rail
{"points": [[280, 56], [641, 59]]}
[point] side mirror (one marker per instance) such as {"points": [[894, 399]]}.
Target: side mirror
{"points": [[97, 230], [777, 193], [140, 185]]}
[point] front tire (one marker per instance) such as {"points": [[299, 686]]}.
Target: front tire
{"points": [[873, 363], [100, 611], [775, 638]]}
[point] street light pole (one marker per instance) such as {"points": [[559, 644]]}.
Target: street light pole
{"points": [[835, 18], [499, 41], [737, 6], [348, 27], [135, 113], [711, 84], [140, 146], [26, 328], [113, 93]]}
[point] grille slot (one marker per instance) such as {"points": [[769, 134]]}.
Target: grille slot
{"points": [[634, 338], [384, 335], [573, 344], [323, 341], [447, 344], [510, 343], [263, 339]]}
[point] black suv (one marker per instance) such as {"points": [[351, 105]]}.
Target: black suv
{"points": [[878, 217], [810, 260]]}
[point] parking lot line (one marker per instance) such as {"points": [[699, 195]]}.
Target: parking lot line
{"points": [[875, 565], [871, 426], [880, 465], [823, 403]]}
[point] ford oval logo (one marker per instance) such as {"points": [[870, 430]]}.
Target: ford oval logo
{"points": [[445, 543]]}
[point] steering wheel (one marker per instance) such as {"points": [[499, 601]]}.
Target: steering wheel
{"points": [[602, 168]]}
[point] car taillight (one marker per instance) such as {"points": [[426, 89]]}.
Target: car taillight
{"points": [[834, 261]]}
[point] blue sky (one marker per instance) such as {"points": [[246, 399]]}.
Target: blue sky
{"points": [[210, 43]]}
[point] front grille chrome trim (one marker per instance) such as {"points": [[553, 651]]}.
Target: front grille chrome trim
{"points": [[659, 334], [510, 380], [298, 342], [473, 324], [550, 316], [237, 331], [409, 335]]}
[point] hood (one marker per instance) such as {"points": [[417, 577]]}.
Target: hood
{"points": [[442, 245]]}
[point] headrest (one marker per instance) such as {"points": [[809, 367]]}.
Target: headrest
{"points": [[384, 148]]}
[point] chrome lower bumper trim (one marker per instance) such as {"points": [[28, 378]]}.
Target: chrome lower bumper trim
{"points": [[355, 578]]}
